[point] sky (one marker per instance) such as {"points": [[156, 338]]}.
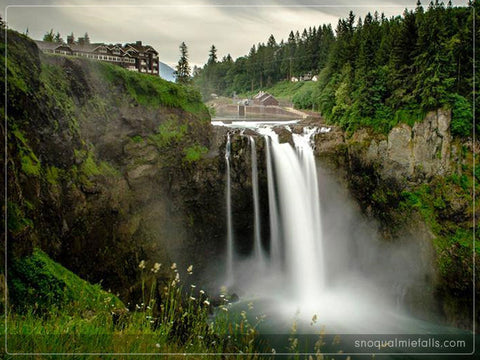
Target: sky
{"points": [[232, 26]]}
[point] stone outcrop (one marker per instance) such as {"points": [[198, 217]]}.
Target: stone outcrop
{"points": [[417, 152]]}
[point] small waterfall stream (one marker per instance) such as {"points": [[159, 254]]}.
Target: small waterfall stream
{"points": [[257, 247], [230, 249]]}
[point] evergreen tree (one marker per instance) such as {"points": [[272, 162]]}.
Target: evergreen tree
{"points": [[58, 38], [212, 57], [49, 36], [182, 72]]}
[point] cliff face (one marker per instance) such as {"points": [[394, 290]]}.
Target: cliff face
{"points": [[107, 168], [418, 182]]}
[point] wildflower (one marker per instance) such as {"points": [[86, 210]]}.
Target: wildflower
{"points": [[177, 277], [137, 307], [192, 298], [157, 345], [190, 269], [243, 314], [193, 286], [202, 292], [222, 296], [224, 308], [250, 305], [142, 265], [206, 302], [156, 267], [274, 351], [174, 266]]}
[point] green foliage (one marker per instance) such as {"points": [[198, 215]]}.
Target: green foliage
{"points": [[462, 117], [137, 139], [29, 162], [40, 284], [376, 72], [168, 132], [153, 91], [83, 318], [194, 153], [52, 175], [16, 220]]}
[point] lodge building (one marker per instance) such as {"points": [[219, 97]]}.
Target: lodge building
{"points": [[134, 56]]}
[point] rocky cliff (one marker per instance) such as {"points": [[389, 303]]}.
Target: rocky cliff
{"points": [[107, 168]]}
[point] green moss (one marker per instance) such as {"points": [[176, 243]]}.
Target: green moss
{"points": [[52, 175], [89, 166], [168, 132], [29, 162], [137, 139], [16, 220], [108, 170], [194, 153], [37, 282]]}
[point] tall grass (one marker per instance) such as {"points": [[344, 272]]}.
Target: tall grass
{"points": [[172, 318]]}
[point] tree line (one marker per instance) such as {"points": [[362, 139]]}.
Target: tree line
{"points": [[373, 71]]}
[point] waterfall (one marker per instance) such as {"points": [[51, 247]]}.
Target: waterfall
{"points": [[230, 279], [257, 247], [295, 254], [298, 199], [275, 246]]}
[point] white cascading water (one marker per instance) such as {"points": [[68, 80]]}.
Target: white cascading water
{"points": [[296, 236], [275, 244], [298, 200], [257, 242], [229, 261]]}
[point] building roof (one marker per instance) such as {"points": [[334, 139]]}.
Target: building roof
{"points": [[47, 45]]}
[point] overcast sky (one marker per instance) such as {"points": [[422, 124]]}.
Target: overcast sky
{"points": [[233, 26]]}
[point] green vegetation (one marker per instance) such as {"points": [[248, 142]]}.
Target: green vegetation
{"points": [[80, 317], [446, 206], [16, 220], [153, 91], [168, 132], [29, 161], [194, 153], [38, 280], [374, 72]]}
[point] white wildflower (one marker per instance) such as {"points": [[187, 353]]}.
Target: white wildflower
{"points": [[206, 302], [157, 345], [192, 298], [142, 264], [190, 269], [193, 286], [202, 292], [156, 267], [174, 266]]}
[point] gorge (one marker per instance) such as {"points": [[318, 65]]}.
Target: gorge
{"points": [[107, 169]]}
